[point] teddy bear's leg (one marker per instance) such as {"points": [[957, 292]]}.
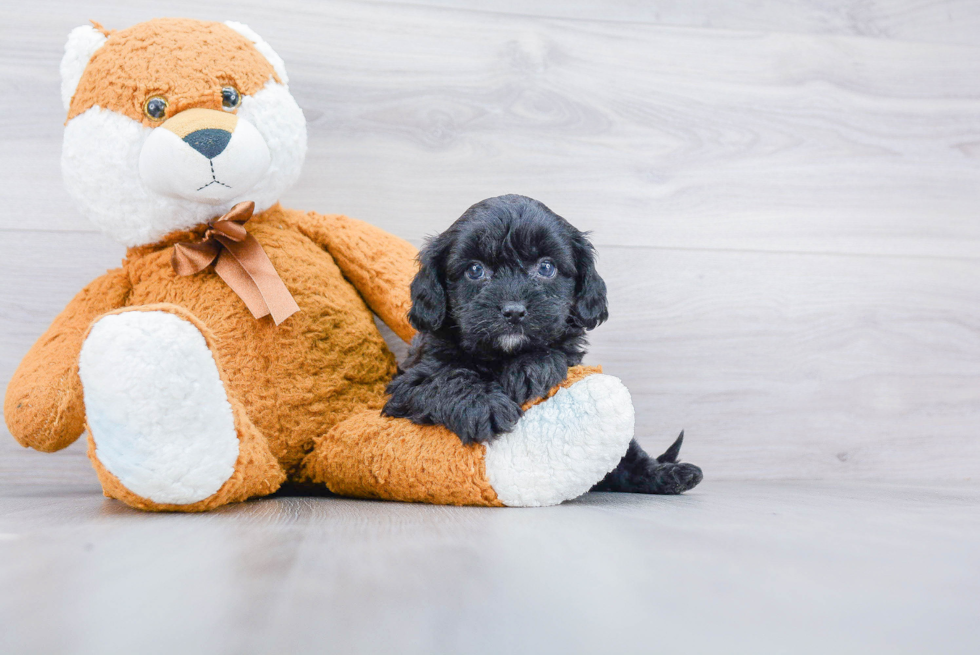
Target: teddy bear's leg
{"points": [[559, 449], [164, 431]]}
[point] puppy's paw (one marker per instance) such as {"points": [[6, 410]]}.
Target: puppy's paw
{"points": [[651, 477], [483, 419], [669, 478], [504, 413], [639, 473], [401, 398]]}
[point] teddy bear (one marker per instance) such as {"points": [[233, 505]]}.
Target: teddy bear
{"points": [[235, 348]]}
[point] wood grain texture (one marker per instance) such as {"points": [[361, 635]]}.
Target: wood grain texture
{"points": [[650, 135], [786, 210], [805, 366], [737, 567], [936, 21]]}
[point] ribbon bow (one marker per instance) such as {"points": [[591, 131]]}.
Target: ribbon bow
{"points": [[240, 261]]}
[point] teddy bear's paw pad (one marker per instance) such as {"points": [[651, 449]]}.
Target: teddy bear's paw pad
{"points": [[156, 407], [563, 446]]}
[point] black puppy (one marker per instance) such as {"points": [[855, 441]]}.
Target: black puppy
{"points": [[501, 302]]}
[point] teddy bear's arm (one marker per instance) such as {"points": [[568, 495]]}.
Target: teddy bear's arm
{"points": [[379, 265], [43, 406]]}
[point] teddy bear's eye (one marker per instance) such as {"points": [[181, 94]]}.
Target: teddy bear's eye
{"points": [[230, 97], [155, 108]]}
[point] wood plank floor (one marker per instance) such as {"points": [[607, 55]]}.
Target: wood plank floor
{"points": [[733, 567]]}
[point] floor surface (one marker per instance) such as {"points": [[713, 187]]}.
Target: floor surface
{"points": [[733, 567]]}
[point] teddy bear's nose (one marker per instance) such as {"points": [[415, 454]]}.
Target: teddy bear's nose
{"points": [[208, 131], [210, 142]]}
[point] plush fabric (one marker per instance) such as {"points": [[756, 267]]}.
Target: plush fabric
{"points": [[396, 461], [83, 41], [192, 403], [187, 61], [321, 364], [300, 378], [43, 403], [168, 437], [577, 435], [156, 440]]}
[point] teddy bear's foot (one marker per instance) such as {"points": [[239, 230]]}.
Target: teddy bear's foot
{"points": [[560, 448], [163, 432]]}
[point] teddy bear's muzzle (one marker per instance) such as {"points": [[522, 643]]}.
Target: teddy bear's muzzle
{"points": [[204, 155]]}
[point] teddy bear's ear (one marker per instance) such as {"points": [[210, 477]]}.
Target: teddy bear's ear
{"points": [[82, 43], [277, 63]]}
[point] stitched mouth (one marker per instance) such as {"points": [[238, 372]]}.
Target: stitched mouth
{"points": [[214, 179]]}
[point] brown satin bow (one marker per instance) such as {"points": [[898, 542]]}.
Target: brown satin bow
{"points": [[240, 261]]}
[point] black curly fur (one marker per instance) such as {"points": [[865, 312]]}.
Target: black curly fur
{"points": [[637, 472], [471, 366]]}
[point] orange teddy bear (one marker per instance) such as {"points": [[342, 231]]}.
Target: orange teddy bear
{"points": [[235, 349]]}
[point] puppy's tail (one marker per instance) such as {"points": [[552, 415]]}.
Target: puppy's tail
{"points": [[670, 455]]}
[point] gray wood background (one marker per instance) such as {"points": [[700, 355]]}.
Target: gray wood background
{"points": [[786, 200]]}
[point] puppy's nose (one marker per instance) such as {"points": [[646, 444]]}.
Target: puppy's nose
{"points": [[514, 312]]}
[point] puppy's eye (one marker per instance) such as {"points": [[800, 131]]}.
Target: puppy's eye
{"points": [[546, 268], [476, 271], [230, 97], [155, 108]]}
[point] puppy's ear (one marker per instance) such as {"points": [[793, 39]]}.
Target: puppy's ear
{"points": [[590, 308], [429, 302]]}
